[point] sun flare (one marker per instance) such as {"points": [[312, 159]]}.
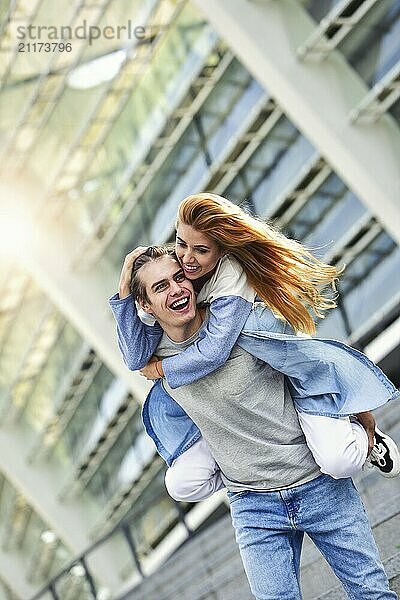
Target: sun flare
{"points": [[15, 226]]}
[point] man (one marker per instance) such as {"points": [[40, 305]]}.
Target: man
{"points": [[276, 490]]}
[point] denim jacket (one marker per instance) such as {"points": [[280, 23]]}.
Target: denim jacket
{"points": [[325, 377]]}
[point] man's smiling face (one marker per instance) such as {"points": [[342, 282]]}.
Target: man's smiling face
{"points": [[171, 298]]}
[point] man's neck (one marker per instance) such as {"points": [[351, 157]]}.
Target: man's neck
{"points": [[184, 332]]}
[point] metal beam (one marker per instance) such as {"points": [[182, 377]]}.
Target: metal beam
{"points": [[40, 486], [333, 28], [318, 97], [85, 468], [32, 120], [95, 130], [380, 98], [12, 569], [385, 343], [25, 18], [69, 396], [23, 370], [236, 153], [94, 245], [80, 296], [175, 538]]}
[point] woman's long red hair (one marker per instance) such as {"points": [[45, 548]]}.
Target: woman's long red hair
{"points": [[282, 271]]}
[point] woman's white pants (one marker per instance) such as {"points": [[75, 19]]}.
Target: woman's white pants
{"points": [[339, 447]]}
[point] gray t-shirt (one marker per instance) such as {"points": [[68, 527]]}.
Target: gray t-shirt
{"points": [[246, 415]]}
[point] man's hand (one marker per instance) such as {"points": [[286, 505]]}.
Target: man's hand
{"points": [[124, 287], [153, 370]]}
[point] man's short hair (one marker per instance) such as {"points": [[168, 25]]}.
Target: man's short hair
{"points": [[153, 253]]}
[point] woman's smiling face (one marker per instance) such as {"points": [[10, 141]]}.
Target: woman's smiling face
{"points": [[197, 253]]}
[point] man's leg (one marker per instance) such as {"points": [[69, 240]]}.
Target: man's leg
{"points": [[332, 514], [269, 546]]}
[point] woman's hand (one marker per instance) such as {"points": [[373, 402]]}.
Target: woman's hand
{"points": [[153, 370], [124, 287], [367, 420]]}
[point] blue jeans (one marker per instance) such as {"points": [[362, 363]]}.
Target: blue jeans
{"points": [[270, 526]]}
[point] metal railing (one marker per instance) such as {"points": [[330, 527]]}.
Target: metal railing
{"points": [[124, 528]]}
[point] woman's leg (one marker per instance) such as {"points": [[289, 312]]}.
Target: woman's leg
{"points": [[339, 446], [194, 475]]}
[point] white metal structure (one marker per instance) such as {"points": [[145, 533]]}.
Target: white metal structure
{"points": [[319, 98]]}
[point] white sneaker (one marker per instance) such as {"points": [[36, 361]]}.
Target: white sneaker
{"points": [[385, 455]]}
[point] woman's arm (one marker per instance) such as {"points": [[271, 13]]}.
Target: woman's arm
{"points": [[226, 320], [263, 319], [136, 340]]}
